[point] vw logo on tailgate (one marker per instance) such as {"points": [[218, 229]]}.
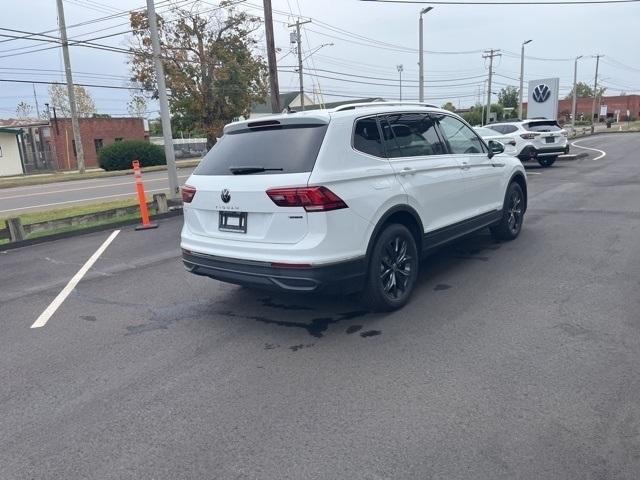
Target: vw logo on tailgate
{"points": [[541, 93], [225, 195]]}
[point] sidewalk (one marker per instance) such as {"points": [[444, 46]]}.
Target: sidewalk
{"points": [[55, 177]]}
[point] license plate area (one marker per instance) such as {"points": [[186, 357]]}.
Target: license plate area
{"points": [[233, 222], [550, 139]]}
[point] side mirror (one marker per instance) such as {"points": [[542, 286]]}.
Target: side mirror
{"points": [[495, 148]]}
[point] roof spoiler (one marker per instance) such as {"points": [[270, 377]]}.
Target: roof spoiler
{"points": [[353, 106]]}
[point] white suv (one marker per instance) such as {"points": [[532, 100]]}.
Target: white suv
{"points": [[345, 200], [536, 139]]}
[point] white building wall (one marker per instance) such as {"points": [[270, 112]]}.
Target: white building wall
{"points": [[9, 155]]}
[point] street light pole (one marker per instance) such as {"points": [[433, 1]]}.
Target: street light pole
{"points": [[400, 69], [421, 54], [575, 93], [595, 95], [522, 78]]}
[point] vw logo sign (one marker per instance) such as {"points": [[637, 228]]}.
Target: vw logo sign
{"points": [[225, 195], [541, 93]]}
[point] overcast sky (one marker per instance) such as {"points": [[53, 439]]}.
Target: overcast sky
{"points": [[370, 40]]}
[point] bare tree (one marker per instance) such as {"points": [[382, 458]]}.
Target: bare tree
{"points": [[85, 105], [137, 106], [23, 110]]}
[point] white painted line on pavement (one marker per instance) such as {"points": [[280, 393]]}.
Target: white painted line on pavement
{"points": [[81, 200], [534, 173], [94, 187], [601, 152], [51, 309]]}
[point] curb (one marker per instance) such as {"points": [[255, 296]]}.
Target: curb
{"points": [[572, 157], [75, 233]]}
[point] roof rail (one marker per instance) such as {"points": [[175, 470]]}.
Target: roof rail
{"points": [[353, 106]]}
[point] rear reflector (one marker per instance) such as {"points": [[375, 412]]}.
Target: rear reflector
{"points": [[188, 192], [313, 199], [529, 136]]}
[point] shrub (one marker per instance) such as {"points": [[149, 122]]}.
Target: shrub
{"points": [[119, 155]]}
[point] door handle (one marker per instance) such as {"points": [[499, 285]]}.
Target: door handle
{"points": [[465, 166], [406, 171]]}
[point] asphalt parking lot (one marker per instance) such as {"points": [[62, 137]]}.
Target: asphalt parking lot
{"points": [[513, 360]]}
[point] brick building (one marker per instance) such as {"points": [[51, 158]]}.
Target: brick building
{"points": [[95, 133], [615, 104]]}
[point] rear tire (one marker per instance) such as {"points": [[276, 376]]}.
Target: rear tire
{"points": [[393, 269], [547, 161], [512, 215]]}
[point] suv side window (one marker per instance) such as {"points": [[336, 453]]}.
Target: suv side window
{"points": [[461, 139], [366, 137], [411, 135], [497, 128], [509, 128]]}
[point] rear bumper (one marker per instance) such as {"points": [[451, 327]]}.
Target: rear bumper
{"points": [[342, 277], [531, 153]]}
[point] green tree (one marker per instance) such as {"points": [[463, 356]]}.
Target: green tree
{"points": [[585, 90], [509, 97], [449, 106], [477, 114], [211, 67]]}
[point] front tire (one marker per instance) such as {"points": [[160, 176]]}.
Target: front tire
{"points": [[547, 161], [393, 269], [512, 214]]}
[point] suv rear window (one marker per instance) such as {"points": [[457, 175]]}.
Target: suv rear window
{"points": [[292, 148], [543, 126]]}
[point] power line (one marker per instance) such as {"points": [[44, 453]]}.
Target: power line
{"points": [[527, 2]]}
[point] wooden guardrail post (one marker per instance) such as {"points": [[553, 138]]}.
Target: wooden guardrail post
{"points": [[160, 199], [16, 230]]}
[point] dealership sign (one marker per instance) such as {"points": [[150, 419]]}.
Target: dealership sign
{"points": [[543, 98]]}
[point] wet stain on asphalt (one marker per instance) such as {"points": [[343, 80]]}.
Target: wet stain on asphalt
{"points": [[353, 329], [370, 333], [295, 348], [270, 346], [441, 286], [88, 318], [268, 302], [316, 328]]}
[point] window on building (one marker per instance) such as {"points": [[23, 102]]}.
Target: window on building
{"points": [[366, 137], [119, 139], [97, 142], [411, 135]]}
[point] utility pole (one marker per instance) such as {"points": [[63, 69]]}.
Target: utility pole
{"points": [[400, 69], [595, 95], [490, 54], [70, 90], [298, 24], [421, 55], [164, 103], [522, 78], [35, 98], [271, 58], [575, 93]]}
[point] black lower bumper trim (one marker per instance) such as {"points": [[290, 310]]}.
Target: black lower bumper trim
{"points": [[342, 277]]}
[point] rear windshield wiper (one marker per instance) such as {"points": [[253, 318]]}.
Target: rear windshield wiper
{"points": [[250, 170]]}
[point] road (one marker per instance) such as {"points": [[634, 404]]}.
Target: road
{"points": [[513, 360], [17, 200]]}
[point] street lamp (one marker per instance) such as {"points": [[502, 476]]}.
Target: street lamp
{"points": [[421, 55], [575, 93], [400, 69], [522, 78]]}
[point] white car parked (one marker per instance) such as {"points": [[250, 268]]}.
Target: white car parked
{"points": [[345, 200], [536, 139], [488, 134]]}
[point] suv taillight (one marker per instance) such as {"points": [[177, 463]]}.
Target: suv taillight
{"points": [[313, 199], [529, 136], [188, 192]]}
